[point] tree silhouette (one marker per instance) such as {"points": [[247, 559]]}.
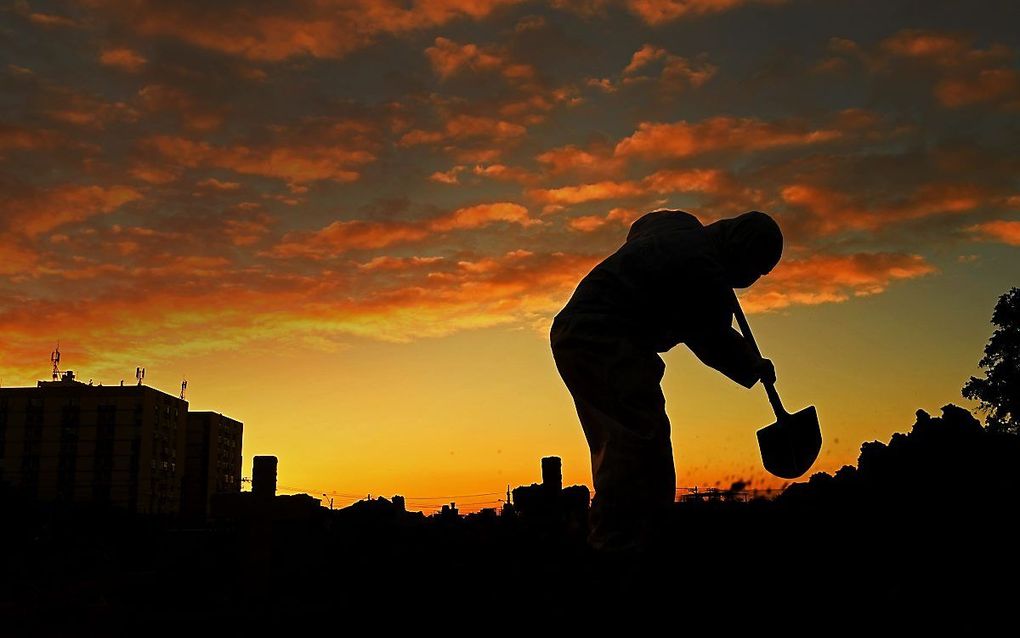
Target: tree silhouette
{"points": [[999, 391]]}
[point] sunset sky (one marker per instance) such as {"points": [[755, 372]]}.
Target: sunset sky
{"points": [[349, 223]]}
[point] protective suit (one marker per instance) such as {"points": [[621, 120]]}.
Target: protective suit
{"points": [[671, 282]]}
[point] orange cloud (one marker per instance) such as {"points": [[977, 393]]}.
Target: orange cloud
{"points": [[656, 12], [216, 184], [194, 266], [517, 287], [503, 172], [987, 85], [831, 211], [1000, 230], [449, 58], [477, 131], [917, 43], [676, 70], [686, 181], [340, 237], [78, 109], [660, 182], [570, 195], [246, 226], [968, 75], [590, 223], [482, 130], [122, 58], [16, 137], [597, 159], [681, 139], [45, 20], [275, 32], [533, 107], [604, 84], [15, 260], [460, 127], [71, 106], [385, 262], [165, 317], [343, 236], [500, 172], [831, 279], [43, 210], [159, 320], [482, 215], [293, 164], [447, 177], [155, 174], [587, 223], [940, 49], [643, 56], [162, 98], [567, 158], [52, 20], [482, 154]]}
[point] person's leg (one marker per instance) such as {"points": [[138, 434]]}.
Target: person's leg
{"points": [[636, 470], [617, 393]]}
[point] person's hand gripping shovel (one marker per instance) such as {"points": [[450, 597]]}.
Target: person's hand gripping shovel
{"points": [[790, 445]]}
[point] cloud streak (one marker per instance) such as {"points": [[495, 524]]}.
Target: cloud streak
{"points": [[832, 279], [343, 236]]}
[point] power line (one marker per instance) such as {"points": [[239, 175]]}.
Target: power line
{"points": [[460, 504], [426, 498], [291, 488]]}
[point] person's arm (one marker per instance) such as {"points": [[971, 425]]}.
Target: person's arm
{"points": [[726, 350], [717, 344]]}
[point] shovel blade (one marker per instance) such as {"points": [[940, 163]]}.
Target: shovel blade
{"points": [[790, 446]]}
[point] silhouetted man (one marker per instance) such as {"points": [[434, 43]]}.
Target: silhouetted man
{"points": [[671, 282]]}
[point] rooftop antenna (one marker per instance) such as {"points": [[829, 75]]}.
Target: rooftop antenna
{"points": [[139, 374], [184, 386], [55, 360]]}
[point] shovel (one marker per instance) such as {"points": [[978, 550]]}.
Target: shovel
{"points": [[790, 445]]}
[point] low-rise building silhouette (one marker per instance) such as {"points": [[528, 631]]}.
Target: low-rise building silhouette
{"points": [[262, 503], [121, 446], [552, 474], [550, 504], [263, 476], [212, 461], [72, 442]]}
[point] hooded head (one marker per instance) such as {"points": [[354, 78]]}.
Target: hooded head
{"points": [[750, 246]]}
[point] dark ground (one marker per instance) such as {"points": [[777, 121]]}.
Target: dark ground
{"points": [[898, 536]]}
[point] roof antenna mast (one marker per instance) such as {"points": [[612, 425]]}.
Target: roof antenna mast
{"points": [[55, 360]]}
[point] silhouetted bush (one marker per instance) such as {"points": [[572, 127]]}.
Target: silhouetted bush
{"points": [[947, 461]]}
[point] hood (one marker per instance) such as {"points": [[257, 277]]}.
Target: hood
{"points": [[750, 245]]}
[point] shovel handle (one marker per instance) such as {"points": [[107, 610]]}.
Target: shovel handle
{"points": [[770, 388]]}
